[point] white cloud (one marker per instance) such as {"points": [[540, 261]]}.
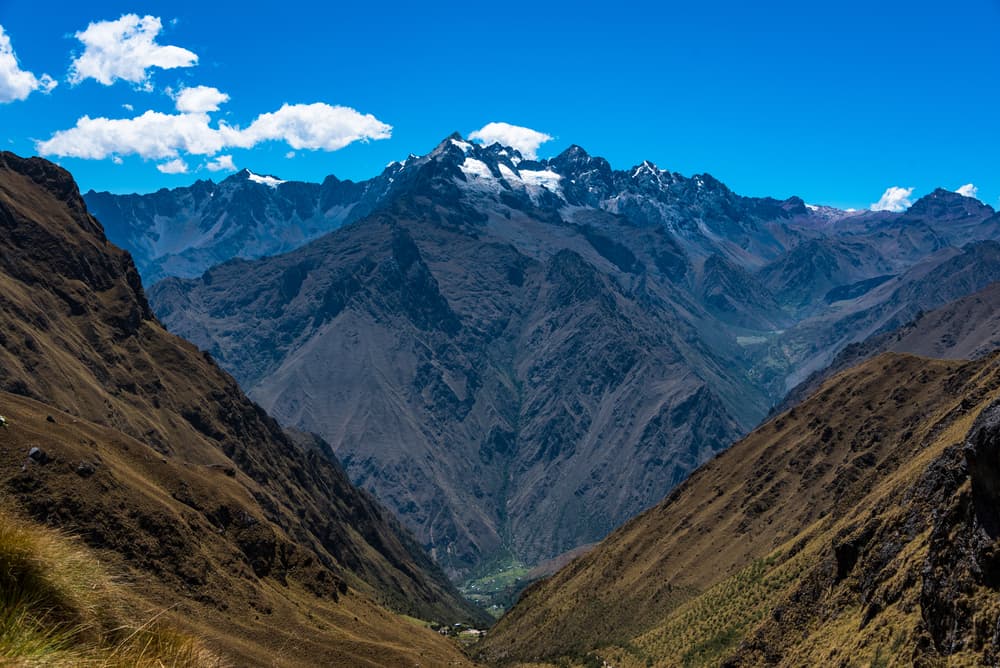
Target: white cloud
{"points": [[128, 107], [894, 199], [968, 190], [290, 155], [125, 49], [314, 126], [176, 166], [224, 163], [117, 159], [15, 83], [200, 99], [155, 135], [524, 140]]}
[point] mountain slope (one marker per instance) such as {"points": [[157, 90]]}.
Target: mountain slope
{"points": [[818, 538], [967, 328], [155, 456], [945, 276], [518, 355], [805, 276], [424, 382]]}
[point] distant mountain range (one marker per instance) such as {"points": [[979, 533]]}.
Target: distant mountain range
{"points": [[967, 328], [518, 355], [183, 232]]}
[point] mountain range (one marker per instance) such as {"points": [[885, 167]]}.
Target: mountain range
{"points": [[128, 437], [185, 231], [517, 355]]}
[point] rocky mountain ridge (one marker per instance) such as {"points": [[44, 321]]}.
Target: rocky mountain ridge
{"points": [[182, 232], [505, 340]]}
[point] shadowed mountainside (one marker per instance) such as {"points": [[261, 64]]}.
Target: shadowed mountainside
{"points": [[967, 328], [155, 457], [517, 356]]}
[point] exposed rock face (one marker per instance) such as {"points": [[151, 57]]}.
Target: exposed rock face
{"points": [[961, 580], [507, 345]]}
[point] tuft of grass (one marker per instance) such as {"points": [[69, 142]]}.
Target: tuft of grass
{"points": [[49, 591], [58, 608]]}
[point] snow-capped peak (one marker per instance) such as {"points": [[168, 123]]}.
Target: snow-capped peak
{"points": [[495, 168], [474, 168], [270, 181], [646, 167]]}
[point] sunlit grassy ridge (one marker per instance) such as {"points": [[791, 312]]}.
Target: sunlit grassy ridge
{"points": [[704, 630], [58, 608], [805, 544]]}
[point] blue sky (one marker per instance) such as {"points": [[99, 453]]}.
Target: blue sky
{"points": [[834, 102]]}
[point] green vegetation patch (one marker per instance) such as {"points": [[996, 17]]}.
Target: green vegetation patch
{"points": [[497, 585], [708, 628]]}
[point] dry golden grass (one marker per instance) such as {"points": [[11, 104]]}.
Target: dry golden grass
{"points": [[58, 608]]}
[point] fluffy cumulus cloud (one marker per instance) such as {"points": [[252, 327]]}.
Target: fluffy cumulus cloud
{"points": [[175, 166], [125, 49], [894, 199], [155, 135], [315, 126], [224, 163], [15, 83], [523, 139], [199, 99], [968, 190]]}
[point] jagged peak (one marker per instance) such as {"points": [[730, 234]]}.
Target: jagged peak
{"points": [[263, 179], [503, 151], [454, 140], [574, 152], [942, 197], [708, 181]]}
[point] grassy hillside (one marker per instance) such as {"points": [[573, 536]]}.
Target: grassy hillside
{"points": [[843, 532], [235, 531], [60, 607], [181, 566]]}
